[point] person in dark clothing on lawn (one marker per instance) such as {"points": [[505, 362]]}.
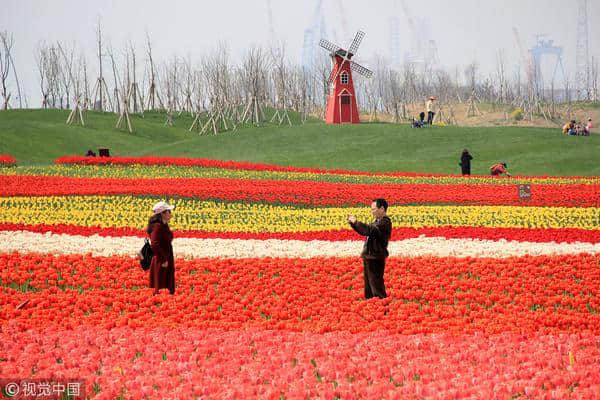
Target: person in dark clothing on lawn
{"points": [[374, 251], [162, 267], [465, 162]]}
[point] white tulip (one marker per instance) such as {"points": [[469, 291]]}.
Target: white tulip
{"points": [[49, 243]]}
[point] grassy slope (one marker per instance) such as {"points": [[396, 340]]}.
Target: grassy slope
{"points": [[39, 136]]}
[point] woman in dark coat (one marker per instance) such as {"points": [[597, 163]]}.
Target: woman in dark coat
{"points": [[465, 162], [162, 267]]}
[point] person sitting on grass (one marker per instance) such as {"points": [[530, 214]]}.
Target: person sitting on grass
{"points": [[418, 123], [569, 128], [499, 169], [573, 128]]}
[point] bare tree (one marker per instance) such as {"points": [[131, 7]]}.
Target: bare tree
{"points": [[169, 82], [73, 77], [443, 87], [217, 87], [594, 78], [153, 94], [281, 75], [41, 59], [396, 95], [471, 75], [187, 86], [55, 68], [134, 95], [568, 97], [65, 71], [116, 80], [500, 72], [409, 81], [6, 62], [254, 72], [85, 82], [373, 90], [125, 98], [324, 79], [101, 92], [49, 67]]}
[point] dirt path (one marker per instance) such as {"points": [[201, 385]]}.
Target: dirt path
{"points": [[495, 116]]}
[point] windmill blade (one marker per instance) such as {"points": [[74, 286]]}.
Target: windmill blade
{"points": [[327, 45], [356, 42], [360, 69]]}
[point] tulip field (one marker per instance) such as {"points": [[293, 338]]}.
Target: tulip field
{"points": [[491, 296]]}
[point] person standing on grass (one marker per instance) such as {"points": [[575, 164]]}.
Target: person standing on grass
{"points": [[465, 162], [430, 112], [162, 267], [374, 251], [588, 128]]}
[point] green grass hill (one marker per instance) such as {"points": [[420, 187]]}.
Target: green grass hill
{"points": [[37, 137]]}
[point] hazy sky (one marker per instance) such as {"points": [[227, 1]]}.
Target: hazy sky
{"points": [[465, 30]]}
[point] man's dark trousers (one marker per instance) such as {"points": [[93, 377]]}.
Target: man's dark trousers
{"points": [[373, 274], [430, 115]]}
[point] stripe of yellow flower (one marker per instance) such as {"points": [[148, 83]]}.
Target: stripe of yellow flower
{"points": [[143, 171], [133, 211]]}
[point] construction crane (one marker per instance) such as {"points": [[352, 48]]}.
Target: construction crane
{"points": [[411, 23], [316, 29], [415, 45], [545, 48], [394, 31], [525, 59], [423, 47]]}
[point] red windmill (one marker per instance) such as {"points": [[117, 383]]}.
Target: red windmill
{"points": [[341, 103]]}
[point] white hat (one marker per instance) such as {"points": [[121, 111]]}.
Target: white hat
{"points": [[161, 206]]}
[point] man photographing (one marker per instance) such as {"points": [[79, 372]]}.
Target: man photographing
{"points": [[374, 250]]}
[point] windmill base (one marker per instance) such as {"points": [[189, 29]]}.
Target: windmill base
{"points": [[342, 109]]}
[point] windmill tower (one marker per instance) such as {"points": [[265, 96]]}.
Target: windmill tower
{"points": [[341, 103]]}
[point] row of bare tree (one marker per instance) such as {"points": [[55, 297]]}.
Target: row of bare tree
{"points": [[263, 77], [392, 90]]}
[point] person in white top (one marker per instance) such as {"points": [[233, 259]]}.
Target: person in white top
{"points": [[430, 112]]}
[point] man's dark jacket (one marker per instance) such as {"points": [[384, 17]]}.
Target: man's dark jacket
{"points": [[378, 235]]}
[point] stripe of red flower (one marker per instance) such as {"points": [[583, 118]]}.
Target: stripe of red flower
{"points": [[566, 235], [301, 192], [243, 165], [7, 160]]}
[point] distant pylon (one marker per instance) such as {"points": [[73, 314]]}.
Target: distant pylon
{"points": [[394, 26], [582, 74]]}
